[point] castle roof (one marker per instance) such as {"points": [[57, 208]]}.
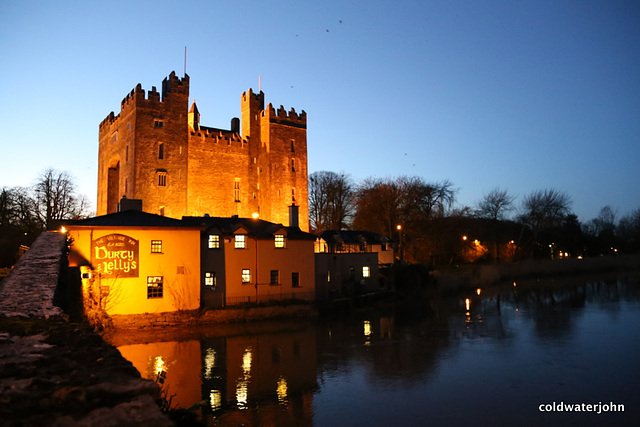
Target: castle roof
{"points": [[194, 108]]}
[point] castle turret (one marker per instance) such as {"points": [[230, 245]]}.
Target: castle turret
{"points": [[194, 117]]}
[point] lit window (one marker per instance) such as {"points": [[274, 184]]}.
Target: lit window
{"points": [[162, 179], [295, 280], [154, 287], [246, 275], [279, 240], [366, 272], [156, 246], [275, 277], [161, 150], [210, 278], [214, 241], [240, 241]]}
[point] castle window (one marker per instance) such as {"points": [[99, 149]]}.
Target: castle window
{"points": [[240, 241], [114, 137], [157, 123], [279, 240], [293, 150], [154, 287], [126, 154], [293, 194], [156, 246], [210, 279], [246, 276], [293, 165], [161, 150], [214, 241], [236, 190], [162, 178]]}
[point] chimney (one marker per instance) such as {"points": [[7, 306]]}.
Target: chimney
{"points": [[129, 204], [293, 215]]}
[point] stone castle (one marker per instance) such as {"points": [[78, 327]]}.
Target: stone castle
{"points": [[156, 150]]}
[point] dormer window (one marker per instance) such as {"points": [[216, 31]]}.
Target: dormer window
{"points": [[279, 240], [240, 241]]}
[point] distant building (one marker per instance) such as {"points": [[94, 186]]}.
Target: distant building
{"points": [[156, 150], [348, 261], [356, 241]]}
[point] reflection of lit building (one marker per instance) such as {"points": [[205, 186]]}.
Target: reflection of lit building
{"points": [[176, 362], [277, 369], [156, 150]]}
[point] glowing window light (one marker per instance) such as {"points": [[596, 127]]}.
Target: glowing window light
{"points": [[467, 303], [246, 361], [242, 385], [158, 365], [242, 394], [215, 399], [367, 328], [281, 390], [478, 291], [209, 362]]}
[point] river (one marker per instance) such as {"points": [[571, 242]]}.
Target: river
{"points": [[545, 353]]}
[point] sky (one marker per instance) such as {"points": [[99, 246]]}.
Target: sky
{"points": [[517, 95]]}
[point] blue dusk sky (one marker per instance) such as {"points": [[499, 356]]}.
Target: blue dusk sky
{"points": [[520, 95]]}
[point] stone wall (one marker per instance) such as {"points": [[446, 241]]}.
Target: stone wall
{"points": [[57, 372]]}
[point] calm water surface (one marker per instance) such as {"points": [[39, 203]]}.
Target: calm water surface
{"points": [[494, 362]]}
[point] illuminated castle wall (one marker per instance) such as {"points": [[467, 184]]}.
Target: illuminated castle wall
{"points": [[156, 150]]}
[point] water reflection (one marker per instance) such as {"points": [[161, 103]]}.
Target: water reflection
{"points": [[492, 356]]}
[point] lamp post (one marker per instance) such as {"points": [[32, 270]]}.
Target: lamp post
{"points": [[400, 247]]}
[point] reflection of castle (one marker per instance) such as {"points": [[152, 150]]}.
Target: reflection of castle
{"points": [[156, 150]]}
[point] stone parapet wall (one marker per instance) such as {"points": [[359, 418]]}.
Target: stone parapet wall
{"points": [[29, 289]]}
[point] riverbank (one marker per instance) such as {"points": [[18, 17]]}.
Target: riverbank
{"points": [[474, 276]]}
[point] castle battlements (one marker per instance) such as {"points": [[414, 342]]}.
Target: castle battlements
{"points": [[281, 116], [218, 136]]}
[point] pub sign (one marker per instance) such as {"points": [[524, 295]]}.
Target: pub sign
{"points": [[115, 256]]}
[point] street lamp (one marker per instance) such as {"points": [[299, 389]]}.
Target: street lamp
{"points": [[400, 248]]}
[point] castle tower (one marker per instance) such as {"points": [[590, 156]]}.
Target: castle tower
{"points": [[142, 152], [158, 151]]}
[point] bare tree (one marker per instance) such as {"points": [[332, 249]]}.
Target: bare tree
{"points": [[544, 209], [496, 204], [57, 198], [331, 200]]}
